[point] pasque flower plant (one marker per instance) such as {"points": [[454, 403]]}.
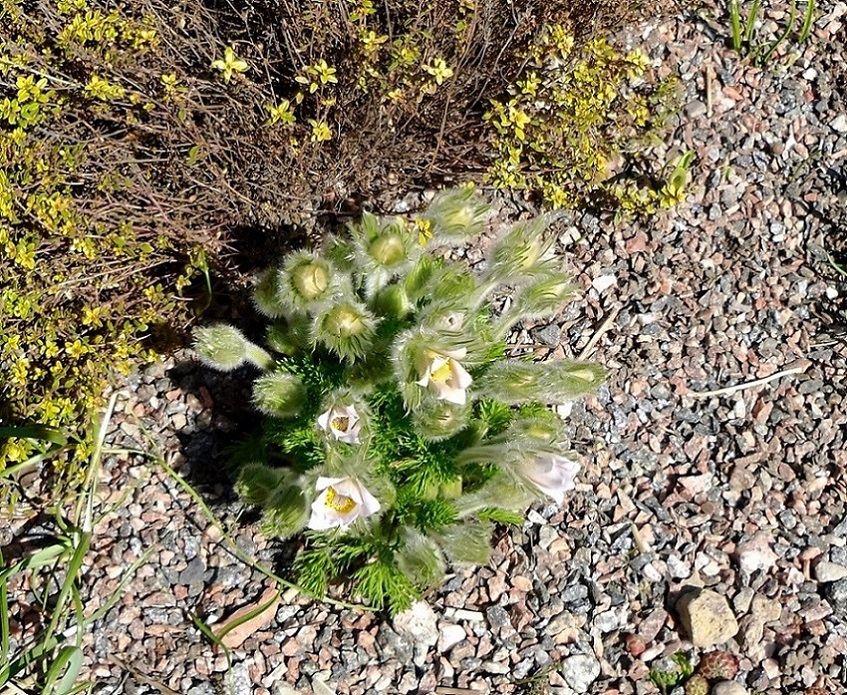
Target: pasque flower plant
{"points": [[397, 433]]}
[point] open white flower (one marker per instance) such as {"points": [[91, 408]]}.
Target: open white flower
{"points": [[341, 501], [552, 474], [342, 422], [445, 375]]}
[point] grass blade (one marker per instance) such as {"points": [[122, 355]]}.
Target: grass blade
{"points": [[751, 21], [792, 20], [5, 630], [735, 24], [808, 21], [63, 672], [39, 432]]}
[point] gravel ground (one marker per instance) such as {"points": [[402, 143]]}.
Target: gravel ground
{"points": [[742, 493]]}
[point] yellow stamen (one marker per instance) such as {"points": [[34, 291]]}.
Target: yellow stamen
{"points": [[340, 503], [341, 423], [442, 374]]}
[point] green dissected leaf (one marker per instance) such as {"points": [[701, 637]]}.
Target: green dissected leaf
{"points": [[500, 516], [382, 584]]}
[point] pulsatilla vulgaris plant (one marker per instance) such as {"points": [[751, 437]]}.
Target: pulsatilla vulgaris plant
{"points": [[397, 433]]}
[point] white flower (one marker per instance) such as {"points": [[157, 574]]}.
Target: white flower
{"points": [[343, 422], [341, 501], [446, 376], [553, 475]]}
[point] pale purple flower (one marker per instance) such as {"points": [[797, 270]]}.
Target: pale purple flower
{"points": [[340, 502], [554, 475], [445, 375], [342, 422]]}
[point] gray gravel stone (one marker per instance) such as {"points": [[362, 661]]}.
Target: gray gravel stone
{"points": [[498, 617], [193, 572], [580, 671]]}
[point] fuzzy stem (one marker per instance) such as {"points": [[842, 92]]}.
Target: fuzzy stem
{"points": [[259, 357]]}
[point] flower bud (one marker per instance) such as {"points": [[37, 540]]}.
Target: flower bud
{"points": [[347, 328], [311, 280], [419, 558], [225, 347], [257, 483], [456, 215], [306, 281], [392, 301], [266, 294], [441, 420], [279, 395], [389, 249]]}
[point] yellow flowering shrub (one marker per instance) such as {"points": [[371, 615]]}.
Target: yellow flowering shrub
{"points": [[567, 121]]}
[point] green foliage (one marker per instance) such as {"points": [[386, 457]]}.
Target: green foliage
{"points": [[572, 117], [743, 30], [667, 680], [400, 446], [97, 248]]}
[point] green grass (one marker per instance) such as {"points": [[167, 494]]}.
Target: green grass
{"points": [[50, 661], [743, 30]]}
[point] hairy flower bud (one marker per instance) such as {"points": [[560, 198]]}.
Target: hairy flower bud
{"points": [[311, 280], [347, 328], [441, 420], [389, 249], [225, 347], [306, 281], [456, 215], [266, 294], [279, 395]]}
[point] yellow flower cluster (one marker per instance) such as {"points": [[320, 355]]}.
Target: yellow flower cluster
{"points": [[568, 118], [68, 319]]}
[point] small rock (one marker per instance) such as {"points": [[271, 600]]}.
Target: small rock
{"points": [[193, 572], [650, 626], [826, 572], [565, 627], [695, 109], [498, 617], [580, 671], [549, 335], [707, 617], [728, 688], [238, 680], [321, 687], [756, 554], [494, 667], [837, 594], [285, 689], [603, 283], [449, 636], [839, 123], [419, 625]]}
